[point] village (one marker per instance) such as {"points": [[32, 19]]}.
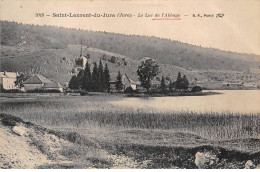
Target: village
{"points": [[117, 82], [17, 82]]}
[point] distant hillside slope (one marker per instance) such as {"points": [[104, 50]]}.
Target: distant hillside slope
{"points": [[57, 64], [163, 50], [51, 51]]}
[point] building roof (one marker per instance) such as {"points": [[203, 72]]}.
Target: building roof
{"points": [[113, 78], [52, 85], [2, 75], [134, 82], [8, 74], [37, 79]]}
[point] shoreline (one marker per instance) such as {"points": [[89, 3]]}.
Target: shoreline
{"points": [[173, 94]]}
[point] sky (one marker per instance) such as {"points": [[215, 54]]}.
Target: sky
{"points": [[237, 31]]}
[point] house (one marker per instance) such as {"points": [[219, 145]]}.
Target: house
{"points": [[53, 86], [232, 85], [40, 82], [7, 80], [127, 82]]}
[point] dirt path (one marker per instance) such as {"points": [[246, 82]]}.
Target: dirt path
{"points": [[16, 152]]}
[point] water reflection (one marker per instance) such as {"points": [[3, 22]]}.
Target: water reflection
{"points": [[236, 101]]}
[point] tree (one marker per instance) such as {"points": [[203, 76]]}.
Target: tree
{"points": [[179, 81], [106, 79], [86, 82], [163, 85], [184, 83], [74, 83], [146, 72], [20, 80], [119, 84], [95, 77], [100, 77], [80, 77], [88, 56], [113, 59], [170, 85]]}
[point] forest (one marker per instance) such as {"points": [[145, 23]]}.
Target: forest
{"points": [[164, 51]]}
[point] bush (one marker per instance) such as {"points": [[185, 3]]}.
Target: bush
{"points": [[10, 120], [83, 93], [11, 91], [70, 91], [196, 89], [43, 91], [130, 90], [163, 91]]}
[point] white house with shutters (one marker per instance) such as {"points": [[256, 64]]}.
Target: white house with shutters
{"points": [[7, 80]]}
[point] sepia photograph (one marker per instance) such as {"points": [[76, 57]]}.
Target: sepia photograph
{"points": [[127, 84]]}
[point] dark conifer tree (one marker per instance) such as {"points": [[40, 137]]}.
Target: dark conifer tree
{"points": [[87, 80], [170, 85], [184, 83], [119, 84], [74, 83], [95, 78], [100, 77], [163, 85], [179, 81], [106, 78], [80, 78]]}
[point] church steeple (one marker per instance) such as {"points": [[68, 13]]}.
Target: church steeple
{"points": [[80, 62]]}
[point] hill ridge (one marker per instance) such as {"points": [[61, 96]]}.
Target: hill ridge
{"points": [[51, 51]]}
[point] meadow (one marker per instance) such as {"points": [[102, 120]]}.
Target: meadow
{"points": [[96, 113]]}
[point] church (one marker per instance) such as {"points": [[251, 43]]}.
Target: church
{"points": [[80, 63]]}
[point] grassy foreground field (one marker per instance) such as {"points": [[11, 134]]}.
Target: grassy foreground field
{"points": [[146, 135]]}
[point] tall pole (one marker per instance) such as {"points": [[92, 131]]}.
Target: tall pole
{"points": [[81, 50]]}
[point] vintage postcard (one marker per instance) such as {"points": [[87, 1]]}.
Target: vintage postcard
{"points": [[152, 84]]}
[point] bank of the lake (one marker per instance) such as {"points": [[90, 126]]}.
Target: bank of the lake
{"points": [[176, 93]]}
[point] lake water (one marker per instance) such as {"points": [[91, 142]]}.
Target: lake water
{"points": [[236, 101]]}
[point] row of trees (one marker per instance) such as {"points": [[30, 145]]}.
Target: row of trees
{"points": [[181, 83], [97, 80]]}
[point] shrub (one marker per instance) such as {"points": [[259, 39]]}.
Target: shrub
{"points": [[11, 91], [196, 89], [43, 91], [129, 90], [83, 93], [10, 120]]}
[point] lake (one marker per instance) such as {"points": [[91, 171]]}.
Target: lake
{"points": [[235, 101]]}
